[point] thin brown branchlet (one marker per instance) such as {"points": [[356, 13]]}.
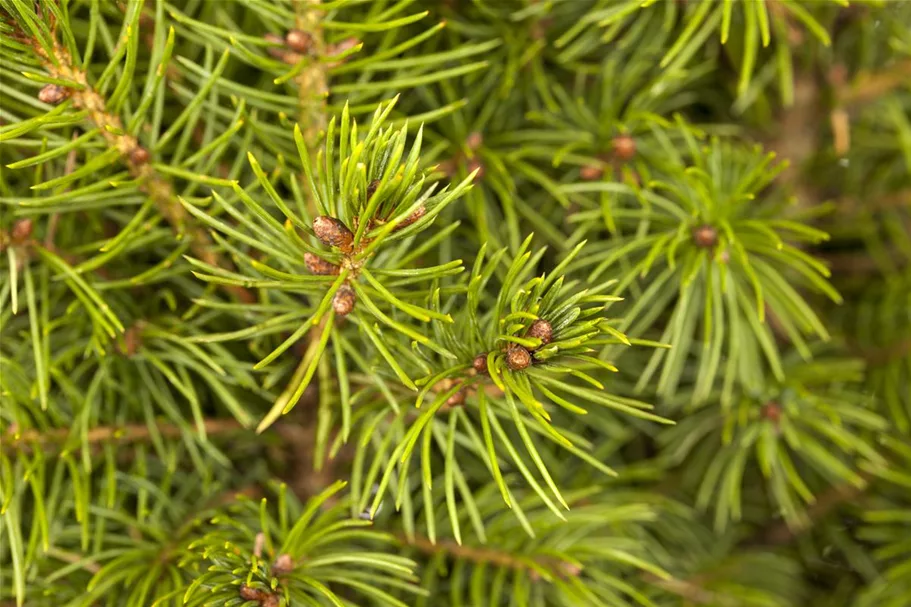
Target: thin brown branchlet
{"points": [[557, 568]]}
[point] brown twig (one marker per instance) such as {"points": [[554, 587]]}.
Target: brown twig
{"points": [[893, 200], [857, 262], [312, 83], [313, 91], [887, 354], [781, 533], [691, 591], [798, 135], [122, 434], [490, 556], [73, 558], [869, 86]]}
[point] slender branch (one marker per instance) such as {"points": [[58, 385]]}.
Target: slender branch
{"points": [[858, 262], [490, 556], [798, 135], [160, 189], [780, 533], [870, 86], [312, 91], [688, 590], [887, 354], [313, 87], [73, 558], [893, 200], [122, 434]]}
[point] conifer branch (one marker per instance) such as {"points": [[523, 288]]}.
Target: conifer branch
{"points": [[869, 86], [136, 157], [780, 533], [131, 433], [489, 556], [459, 387], [894, 200], [313, 87], [689, 591], [73, 558]]}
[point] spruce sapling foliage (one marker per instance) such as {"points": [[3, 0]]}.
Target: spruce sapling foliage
{"points": [[455, 302]]}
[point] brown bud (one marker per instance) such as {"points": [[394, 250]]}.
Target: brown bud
{"points": [[705, 236], [283, 564], [569, 570], [53, 94], [139, 156], [22, 230], [333, 232], [542, 330], [475, 163], [624, 147], [132, 340], [319, 266], [591, 172], [299, 41], [456, 400], [414, 217], [372, 187], [447, 167], [340, 47], [278, 52], [250, 594], [517, 357], [270, 600], [480, 363], [474, 141], [724, 257], [539, 28], [344, 300], [772, 412], [838, 75]]}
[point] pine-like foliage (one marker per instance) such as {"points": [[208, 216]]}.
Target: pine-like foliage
{"points": [[455, 302]]}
